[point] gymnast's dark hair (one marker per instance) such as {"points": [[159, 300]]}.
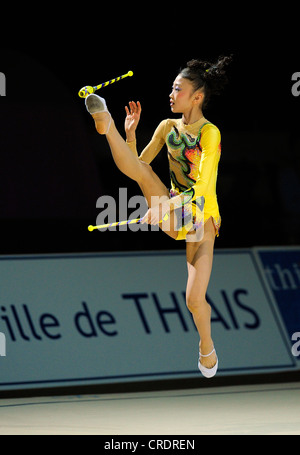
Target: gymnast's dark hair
{"points": [[211, 77]]}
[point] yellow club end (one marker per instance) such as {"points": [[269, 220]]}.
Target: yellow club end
{"points": [[85, 91]]}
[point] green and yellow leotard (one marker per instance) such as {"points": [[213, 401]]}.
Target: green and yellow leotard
{"points": [[193, 153]]}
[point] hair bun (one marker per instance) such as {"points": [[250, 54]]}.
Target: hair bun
{"points": [[198, 65], [210, 69]]}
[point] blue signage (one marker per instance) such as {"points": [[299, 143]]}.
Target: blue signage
{"points": [[282, 271]]}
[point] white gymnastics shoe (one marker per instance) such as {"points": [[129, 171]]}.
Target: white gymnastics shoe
{"points": [[96, 106], [208, 372]]}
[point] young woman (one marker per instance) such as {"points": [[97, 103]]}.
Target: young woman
{"points": [[193, 145]]}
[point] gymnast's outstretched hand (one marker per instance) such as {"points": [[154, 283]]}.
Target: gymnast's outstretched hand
{"points": [[132, 119]]}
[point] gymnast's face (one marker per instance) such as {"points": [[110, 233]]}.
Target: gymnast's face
{"points": [[182, 97]]}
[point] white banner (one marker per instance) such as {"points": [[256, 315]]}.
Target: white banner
{"points": [[102, 318]]}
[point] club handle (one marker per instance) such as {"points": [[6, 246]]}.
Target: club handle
{"points": [[87, 90]]}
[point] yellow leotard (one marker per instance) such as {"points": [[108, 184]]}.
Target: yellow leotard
{"points": [[194, 153]]}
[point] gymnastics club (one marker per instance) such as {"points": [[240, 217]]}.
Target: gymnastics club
{"points": [[117, 223], [87, 90], [120, 223]]}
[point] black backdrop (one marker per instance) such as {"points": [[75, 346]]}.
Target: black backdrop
{"points": [[54, 166]]}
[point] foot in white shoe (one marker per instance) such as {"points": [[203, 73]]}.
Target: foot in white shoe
{"points": [[96, 106], [208, 372]]}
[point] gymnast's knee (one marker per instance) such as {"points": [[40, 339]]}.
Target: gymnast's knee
{"points": [[146, 173], [197, 304]]}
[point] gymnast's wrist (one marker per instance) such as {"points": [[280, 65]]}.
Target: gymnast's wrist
{"points": [[167, 207], [130, 138]]}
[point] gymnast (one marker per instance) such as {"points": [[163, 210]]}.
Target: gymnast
{"points": [[189, 210]]}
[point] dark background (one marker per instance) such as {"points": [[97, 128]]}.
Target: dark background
{"points": [[54, 166]]}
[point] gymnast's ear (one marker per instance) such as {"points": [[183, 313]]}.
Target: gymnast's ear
{"points": [[198, 97]]}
